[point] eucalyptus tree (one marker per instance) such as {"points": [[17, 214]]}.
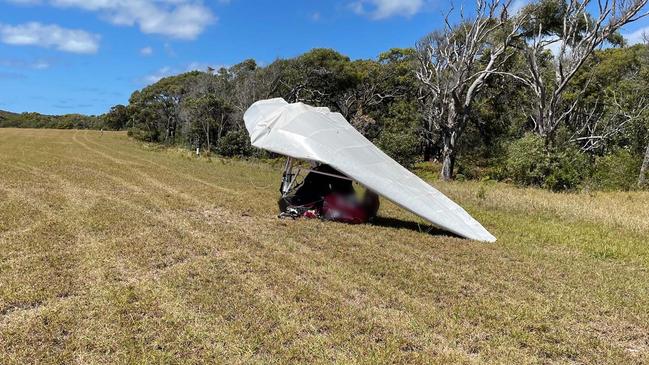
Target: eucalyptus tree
{"points": [[318, 77], [455, 63], [644, 168], [117, 118], [158, 108], [375, 86], [558, 38], [211, 114]]}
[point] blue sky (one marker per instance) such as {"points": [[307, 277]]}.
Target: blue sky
{"points": [[83, 56]]}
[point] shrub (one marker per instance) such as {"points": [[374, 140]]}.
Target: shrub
{"points": [[529, 162], [428, 170], [142, 135], [615, 171], [526, 161], [234, 143], [568, 168]]}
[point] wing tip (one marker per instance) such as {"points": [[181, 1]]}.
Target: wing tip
{"points": [[486, 237]]}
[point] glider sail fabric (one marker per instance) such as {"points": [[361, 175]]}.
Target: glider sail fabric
{"points": [[305, 132]]}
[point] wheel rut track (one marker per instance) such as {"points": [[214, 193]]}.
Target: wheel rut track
{"points": [[148, 162]]}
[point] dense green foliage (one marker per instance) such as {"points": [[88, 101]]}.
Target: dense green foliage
{"points": [[35, 120], [117, 118], [529, 162]]}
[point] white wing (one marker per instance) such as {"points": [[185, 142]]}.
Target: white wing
{"points": [[305, 132]]}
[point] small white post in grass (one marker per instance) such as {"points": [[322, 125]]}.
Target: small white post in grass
{"points": [[198, 151]]}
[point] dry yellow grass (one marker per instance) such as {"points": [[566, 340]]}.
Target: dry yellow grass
{"points": [[112, 252]]}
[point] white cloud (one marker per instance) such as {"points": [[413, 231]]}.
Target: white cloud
{"points": [[554, 47], [171, 71], [25, 2], [38, 64], [158, 75], [383, 9], [146, 51], [41, 65], [637, 36], [182, 19], [197, 66], [517, 6], [49, 36]]}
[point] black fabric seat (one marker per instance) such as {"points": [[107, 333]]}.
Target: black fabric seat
{"points": [[315, 187]]}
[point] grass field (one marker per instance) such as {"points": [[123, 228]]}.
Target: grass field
{"points": [[114, 252]]}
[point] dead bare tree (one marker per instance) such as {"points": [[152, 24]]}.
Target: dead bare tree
{"points": [[248, 84], [430, 132], [375, 86], [595, 128], [575, 40], [455, 63], [368, 93]]}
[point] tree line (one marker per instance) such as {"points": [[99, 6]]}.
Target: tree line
{"points": [[550, 95], [36, 120]]}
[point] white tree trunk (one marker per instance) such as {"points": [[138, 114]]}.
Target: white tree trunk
{"points": [[448, 165], [448, 155], [642, 180]]}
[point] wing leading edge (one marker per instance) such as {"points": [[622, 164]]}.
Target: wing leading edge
{"points": [[305, 132]]}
